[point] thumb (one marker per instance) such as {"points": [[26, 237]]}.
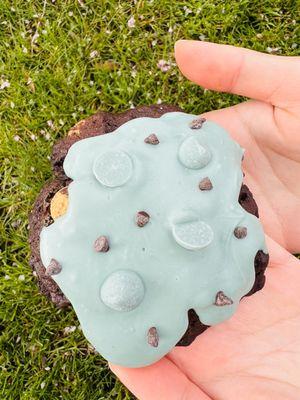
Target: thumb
{"points": [[273, 79]]}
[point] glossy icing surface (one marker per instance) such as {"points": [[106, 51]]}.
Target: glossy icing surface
{"points": [[132, 300]]}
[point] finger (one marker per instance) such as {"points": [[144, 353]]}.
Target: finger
{"points": [[162, 380], [224, 68]]}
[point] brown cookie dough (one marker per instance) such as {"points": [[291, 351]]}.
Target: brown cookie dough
{"points": [[52, 202], [99, 124], [39, 218]]}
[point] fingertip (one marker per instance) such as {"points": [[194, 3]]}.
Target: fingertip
{"points": [[178, 49], [183, 48], [189, 56], [179, 43], [185, 43]]}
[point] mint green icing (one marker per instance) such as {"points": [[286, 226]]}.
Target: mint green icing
{"points": [[187, 252]]}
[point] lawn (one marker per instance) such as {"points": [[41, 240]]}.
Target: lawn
{"points": [[60, 62]]}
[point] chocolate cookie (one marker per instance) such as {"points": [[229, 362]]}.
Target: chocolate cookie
{"points": [[52, 202]]}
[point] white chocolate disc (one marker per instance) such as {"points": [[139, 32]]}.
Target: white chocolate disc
{"points": [[192, 154], [122, 290], [193, 235], [113, 168]]}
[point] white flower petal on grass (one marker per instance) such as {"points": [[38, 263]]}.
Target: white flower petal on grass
{"points": [[30, 84], [69, 329], [164, 65], [94, 54], [131, 22], [4, 84], [16, 223], [273, 50], [187, 10], [35, 38], [131, 104], [51, 124]]}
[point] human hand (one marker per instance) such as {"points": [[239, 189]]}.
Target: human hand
{"points": [[267, 127], [256, 354]]}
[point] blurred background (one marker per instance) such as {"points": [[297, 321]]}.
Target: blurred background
{"points": [[60, 61]]}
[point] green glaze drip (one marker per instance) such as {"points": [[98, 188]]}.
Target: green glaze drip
{"points": [[180, 259]]}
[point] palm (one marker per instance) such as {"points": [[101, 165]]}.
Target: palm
{"points": [[256, 354], [228, 371], [271, 137]]}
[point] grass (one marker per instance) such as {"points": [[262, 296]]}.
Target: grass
{"points": [[63, 61]]}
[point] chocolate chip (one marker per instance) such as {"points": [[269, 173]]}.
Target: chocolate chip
{"points": [[101, 244], [151, 139], [240, 232], [197, 123], [153, 337], [53, 268], [205, 184], [222, 299], [142, 218]]}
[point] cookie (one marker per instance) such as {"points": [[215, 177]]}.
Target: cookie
{"points": [[190, 150]]}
